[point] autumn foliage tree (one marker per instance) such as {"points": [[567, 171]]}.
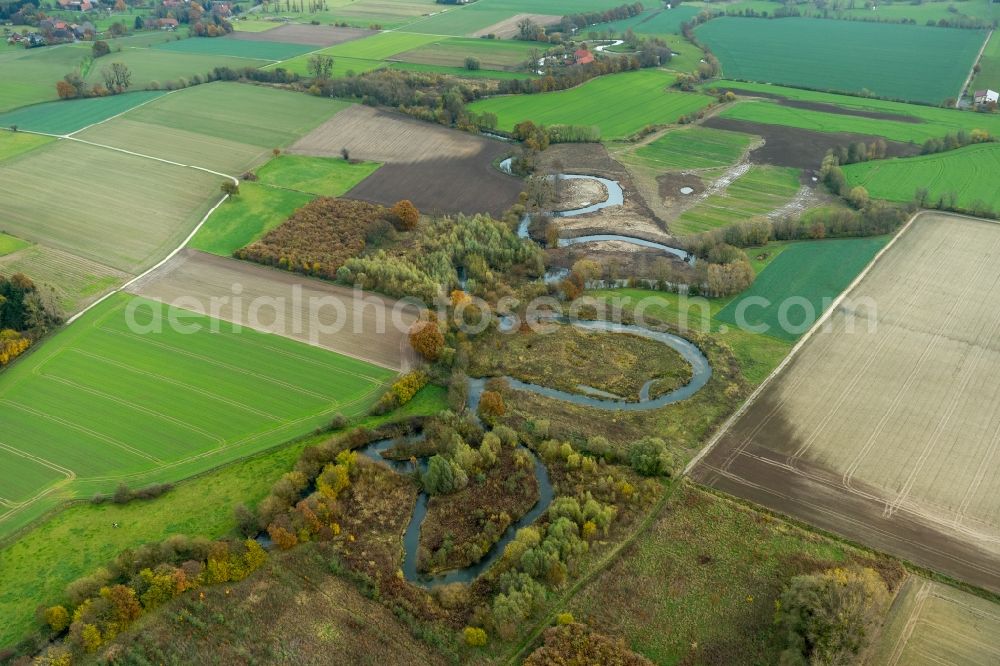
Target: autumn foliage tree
{"points": [[491, 406], [65, 90], [428, 341], [406, 214]]}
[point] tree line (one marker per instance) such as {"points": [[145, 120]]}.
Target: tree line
{"points": [[27, 313]]}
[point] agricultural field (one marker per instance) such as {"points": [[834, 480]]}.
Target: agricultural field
{"points": [[491, 53], [989, 63], [382, 45], [883, 427], [315, 175], [13, 144], [201, 505], [75, 282], [693, 147], [761, 190], [289, 33], [799, 285], [655, 21], [252, 49], [909, 63], [969, 173], [162, 203], [99, 403], [160, 66], [932, 623], [29, 76], [825, 112], [246, 218], [619, 105], [9, 244], [71, 116], [438, 169]]}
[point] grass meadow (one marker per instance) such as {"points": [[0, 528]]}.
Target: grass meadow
{"points": [[969, 173], [619, 104], [315, 175], [760, 190], [692, 147], [29, 75], [240, 48], [817, 271], [9, 244], [68, 116], [911, 64], [13, 144], [507, 54], [989, 72], [106, 401], [246, 218], [917, 123], [656, 21], [200, 506]]}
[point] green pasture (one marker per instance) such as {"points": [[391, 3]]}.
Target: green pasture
{"points": [[241, 48], [341, 65], [13, 144], [970, 173], [460, 72], [655, 21], [388, 14], [381, 46], [693, 147], [29, 76], [201, 506], [620, 104], [906, 62], [9, 244], [813, 272], [125, 395], [246, 218], [254, 26], [504, 54], [989, 73], [315, 175], [160, 66], [68, 116], [254, 115], [760, 190], [916, 124]]}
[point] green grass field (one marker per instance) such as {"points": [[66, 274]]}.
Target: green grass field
{"points": [[989, 73], [461, 72], [816, 271], [884, 11], [202, 506], [466, 19], [116, 209], [13, 144], [620, 104], [970, 173], [242, 48], [122, 395], [341, 65], [505, 54], [692, 147], [254, 115], [149, 65], [757, 354], [246, 218], [381, 46], [656, 21], [9, 244], [760, 190], [29, 75], [924, 122], [909, 58], [254, 26], [70, 116], [315, 175]]}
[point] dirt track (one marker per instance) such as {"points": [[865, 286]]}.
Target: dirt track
{"points": [[281, 302], [891, 437], [439, 169]]}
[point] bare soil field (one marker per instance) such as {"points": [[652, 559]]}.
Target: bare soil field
{"points": [[438, 169], [508, 27], [800, 148], [931, 623], [890, 434], [316, 35], [360, 324]]}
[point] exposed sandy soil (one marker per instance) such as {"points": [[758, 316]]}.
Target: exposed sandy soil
{"points": [[314, 35], [890, 436], [282, 302], [439, 169], [508, 27], [578, 193], [801, 148]]}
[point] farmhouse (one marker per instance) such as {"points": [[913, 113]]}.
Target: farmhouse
{"points": [[983, 97], [76, 5], [166, 24], [583, 57]]}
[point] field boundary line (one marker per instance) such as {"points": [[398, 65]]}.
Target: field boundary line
{"points": [[793, 353]]}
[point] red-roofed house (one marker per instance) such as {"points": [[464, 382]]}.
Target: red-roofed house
{"points": [[583, 57], [166, 24]]}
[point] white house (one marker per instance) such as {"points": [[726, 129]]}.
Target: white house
{"points": [[985, 97]]}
